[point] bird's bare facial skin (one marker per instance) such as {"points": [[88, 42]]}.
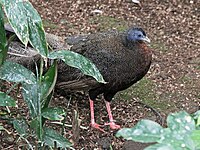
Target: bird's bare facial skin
{"points": [[137, 34]]}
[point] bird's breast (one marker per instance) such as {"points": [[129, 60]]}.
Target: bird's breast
{"points": [[130, 67]]}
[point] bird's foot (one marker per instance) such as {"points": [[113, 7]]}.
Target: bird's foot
{"points": [[97, 126], [113, 125]]}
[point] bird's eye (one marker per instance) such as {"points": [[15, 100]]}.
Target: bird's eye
{"points": [[139, 35]]}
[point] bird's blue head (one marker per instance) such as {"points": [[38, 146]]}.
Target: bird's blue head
{"points": [[137, 35]]}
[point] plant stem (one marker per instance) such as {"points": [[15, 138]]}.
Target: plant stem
{"points": [[41, 69]]}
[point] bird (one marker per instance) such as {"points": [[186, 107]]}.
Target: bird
{"points": [[123, 58]]}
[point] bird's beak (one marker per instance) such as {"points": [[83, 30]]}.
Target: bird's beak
{"points": [[147, 39]]}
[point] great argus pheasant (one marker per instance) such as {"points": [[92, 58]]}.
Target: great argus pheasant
{"points": [[123, 58]]}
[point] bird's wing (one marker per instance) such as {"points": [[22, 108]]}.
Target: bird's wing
{"points": [[68, 77], [96, 48], [90, 47]]}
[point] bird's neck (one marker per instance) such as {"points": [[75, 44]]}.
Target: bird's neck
{"points": [[144, 49], [145, 54]]}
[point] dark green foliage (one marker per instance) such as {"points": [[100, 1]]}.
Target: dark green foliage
{"points": [[53, 113], [182, 133], [36, 90], [6, 100], [21, 127], [3, 42], [78, 61], [51, 136], [14, 72], [26, 23]]}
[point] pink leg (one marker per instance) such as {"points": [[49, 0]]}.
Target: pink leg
{"points": [[111, 123], [93, 123]]}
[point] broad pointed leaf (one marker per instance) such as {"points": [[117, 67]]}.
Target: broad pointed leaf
{"points": [[17, 17], [49, 80], [196, 138], [51, 136], [78, 61], [176, 138], [36, 94], [36, 125], [6, 100], [144, 131], [14, 72], [32, 95], [161, 147], [3, 43], [36, 30], [21, 126], [26, 23], [53, 113], [197, 118], [181, 121]]}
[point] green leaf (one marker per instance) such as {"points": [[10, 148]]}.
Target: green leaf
{"points": [[78, 61], [51, 136], [198, 121], [21, 127], [36, 94], [176, 139], [14, 72], [180, 134], [144, 131], [196, 116], [36, 124], [181, 121], [26, 23], [53, 113], [196, 138], [32, 96], [17, 17], [3, 41], [49, 81], [160, 147], [180, 126], [36, 31], [6, 100]]}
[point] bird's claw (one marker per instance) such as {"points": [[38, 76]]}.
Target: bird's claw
{"points": [[112, 125], [97, 126]]}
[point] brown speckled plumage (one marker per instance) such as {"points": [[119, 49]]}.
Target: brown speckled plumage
{"points": [[120, 62]]}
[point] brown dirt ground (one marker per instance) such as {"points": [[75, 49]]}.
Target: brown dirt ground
{"points": [[172, 83]]}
